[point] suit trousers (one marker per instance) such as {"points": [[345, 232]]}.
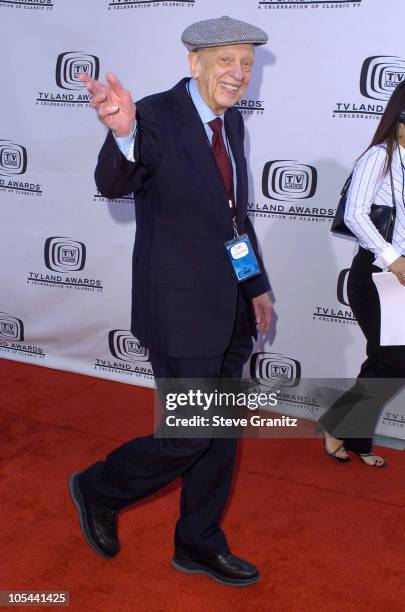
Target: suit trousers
{"points": [[354, 416], [206, 465]]}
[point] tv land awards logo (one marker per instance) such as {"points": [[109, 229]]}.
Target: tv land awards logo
{"points": [[308, 4], [13, 158], [393, 419], [128, 356], [283, 375], [127, 199], [379, 76], [288, 180], [333, 314], [70, 65], [287, 185], [274, 369], [13, 164], [341, 289], [11, 328], [38, 5], [62, 256], [123, 345], [12, 342], [134, 4], [250, 107]]}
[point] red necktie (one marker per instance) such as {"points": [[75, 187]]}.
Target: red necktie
{"points": [[221, 156]]}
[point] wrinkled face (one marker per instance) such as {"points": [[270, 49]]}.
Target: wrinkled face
{"points": [[222, 74]]}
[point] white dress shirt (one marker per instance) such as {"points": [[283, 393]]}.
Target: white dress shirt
{"points": [[370, 186], [126, 144]]}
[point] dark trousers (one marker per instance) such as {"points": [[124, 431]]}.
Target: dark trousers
{"points": [[354, 416], [144, 465]]}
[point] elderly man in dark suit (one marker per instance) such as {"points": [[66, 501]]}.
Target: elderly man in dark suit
{"points": [[181, 153]]}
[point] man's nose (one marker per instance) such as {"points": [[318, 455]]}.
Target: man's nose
{"points": [[236, 72]]}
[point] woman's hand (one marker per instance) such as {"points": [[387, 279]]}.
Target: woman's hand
{"points": [[398, 268]]}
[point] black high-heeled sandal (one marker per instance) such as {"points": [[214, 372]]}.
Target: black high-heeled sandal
{"points": [[332, 454], [375, 464]]}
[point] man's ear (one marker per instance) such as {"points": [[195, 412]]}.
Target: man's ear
{"points": [[194, 64]]}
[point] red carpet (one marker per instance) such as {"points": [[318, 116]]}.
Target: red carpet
{"points": [[327, 537]]}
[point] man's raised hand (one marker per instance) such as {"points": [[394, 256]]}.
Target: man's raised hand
{"points": [[114, 104]]}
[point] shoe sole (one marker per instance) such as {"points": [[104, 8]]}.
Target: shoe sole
{"points": [[77, 499], [190, 567], [375, 465]]}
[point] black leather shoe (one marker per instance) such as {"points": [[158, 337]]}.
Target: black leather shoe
{"points": [[99, 525], [225, 568]]}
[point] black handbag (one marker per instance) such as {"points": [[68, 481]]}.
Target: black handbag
{"points": [[382, 216]]}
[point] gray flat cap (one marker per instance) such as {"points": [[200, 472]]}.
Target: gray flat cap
{"points": [[222, 31]]}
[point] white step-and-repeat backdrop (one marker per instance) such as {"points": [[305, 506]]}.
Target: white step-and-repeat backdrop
{"points": [[317, 94]]}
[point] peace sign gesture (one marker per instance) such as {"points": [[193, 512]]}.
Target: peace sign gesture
{"points": [[113, 103]]}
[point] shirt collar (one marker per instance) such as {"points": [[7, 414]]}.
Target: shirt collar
{"points": [[205, 112]]}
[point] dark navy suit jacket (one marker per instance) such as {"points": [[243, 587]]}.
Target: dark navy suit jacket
{"points": [[184, 292]]}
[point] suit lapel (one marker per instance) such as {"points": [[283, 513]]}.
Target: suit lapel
{"points": [[238, 155], [194, 139]]}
